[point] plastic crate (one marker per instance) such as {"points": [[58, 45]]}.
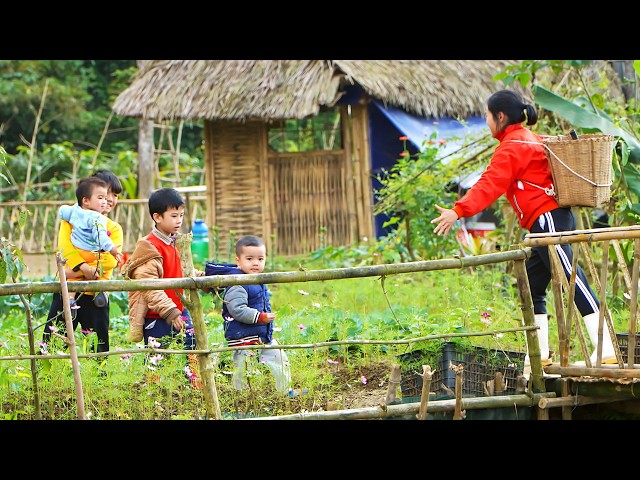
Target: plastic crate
{"points": [[623, 342], [480, 365]]}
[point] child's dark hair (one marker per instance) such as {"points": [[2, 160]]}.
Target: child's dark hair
{"points": [[248, 241], [87, 185], [164, 198], [512, 105], [113, 182]]}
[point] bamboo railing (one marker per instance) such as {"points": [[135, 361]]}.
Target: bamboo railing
{"points": [[537, 396], [39, 235]]}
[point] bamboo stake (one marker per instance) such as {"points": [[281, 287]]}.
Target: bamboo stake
{"points": [[600, 285], [426, 389], [394, 382], [192, 301], [533, 346], [557, 274], [633, 314], [458, 413], [71, 338]]}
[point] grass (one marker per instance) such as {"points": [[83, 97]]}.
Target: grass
{"points": [[131, 387]]}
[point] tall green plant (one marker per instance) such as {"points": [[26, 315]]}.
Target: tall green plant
{"points": [[408, 193], [588, 108]]}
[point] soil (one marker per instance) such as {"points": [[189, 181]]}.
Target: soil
{"points": [[366, 387]]}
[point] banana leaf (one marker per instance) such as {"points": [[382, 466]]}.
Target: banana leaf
{"points": [[586, 119], [583, 118]]}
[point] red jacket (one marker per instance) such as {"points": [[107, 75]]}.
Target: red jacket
{"points": [[512, 165]]}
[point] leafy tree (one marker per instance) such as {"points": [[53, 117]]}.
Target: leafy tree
{"points": [[75, 97]]}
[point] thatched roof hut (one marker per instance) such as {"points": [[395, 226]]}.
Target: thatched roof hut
{"points": [[243, 90], [301, 199]]}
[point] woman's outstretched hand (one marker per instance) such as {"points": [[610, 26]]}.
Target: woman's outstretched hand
{"points": [[445, 221]]}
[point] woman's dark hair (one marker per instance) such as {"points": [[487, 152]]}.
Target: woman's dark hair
{"points": [[512, 105], [112, 181]]}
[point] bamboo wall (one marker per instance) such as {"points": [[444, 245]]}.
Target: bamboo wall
{"points": [[297, 202]]}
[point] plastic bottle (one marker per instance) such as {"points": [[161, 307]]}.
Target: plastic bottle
{"points": [[200, 242]]}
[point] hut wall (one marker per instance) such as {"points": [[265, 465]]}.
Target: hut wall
{"points": [[236, 184], [297, 202]]}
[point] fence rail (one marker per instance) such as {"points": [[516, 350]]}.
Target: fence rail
{"points": [[518, 257], [39, 234]]}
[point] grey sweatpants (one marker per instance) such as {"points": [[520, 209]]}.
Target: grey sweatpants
{"points": [[275, 359]]}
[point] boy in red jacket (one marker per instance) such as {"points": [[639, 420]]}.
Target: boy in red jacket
{"points": [[160, 314]]}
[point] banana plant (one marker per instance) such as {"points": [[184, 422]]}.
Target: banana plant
{"points": [[590, 121]]}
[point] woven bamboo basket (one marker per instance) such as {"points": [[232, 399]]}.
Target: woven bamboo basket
{"points": [[581, 168]]}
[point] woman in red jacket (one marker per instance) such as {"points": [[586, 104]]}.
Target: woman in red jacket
{"points": [[519, 169]]}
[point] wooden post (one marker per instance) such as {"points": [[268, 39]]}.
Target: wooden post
{"points": [[191, 300], [533, 346], [394, 382], [71, 338], [426, 389], [458, 413]]}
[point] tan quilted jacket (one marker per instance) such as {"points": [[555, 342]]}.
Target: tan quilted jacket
{"points": [[146, 263]]}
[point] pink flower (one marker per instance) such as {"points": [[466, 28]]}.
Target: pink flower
{"points": [[363, 379], [301, 327], [189, 373], [333, 362]]}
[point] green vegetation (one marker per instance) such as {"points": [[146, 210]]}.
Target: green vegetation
{"points": [[398, 307]]}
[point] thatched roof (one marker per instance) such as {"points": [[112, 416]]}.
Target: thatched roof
{"points": [[281, 89]]}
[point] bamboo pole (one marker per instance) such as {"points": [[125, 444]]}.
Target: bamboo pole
{"points": [[576, 401], [633, 314], [458, 412], [557, 275], [215, 281], [394, 382], [407, 409], [580, 371], [533, 346], [71, 338], [573, 236], [426, 390], [191, 300]]}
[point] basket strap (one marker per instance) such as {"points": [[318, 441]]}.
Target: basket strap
{"points": [[549, 191], [565, 165]]}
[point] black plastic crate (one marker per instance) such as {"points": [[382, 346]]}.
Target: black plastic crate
{"points": [[623, 342], [480, 365]]}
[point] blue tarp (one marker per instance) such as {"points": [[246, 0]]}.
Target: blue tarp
{"points": [[419, 129], [388, 124]]}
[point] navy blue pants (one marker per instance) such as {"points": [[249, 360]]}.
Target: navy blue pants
{"points": [[159, 328], [539, 265]]}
